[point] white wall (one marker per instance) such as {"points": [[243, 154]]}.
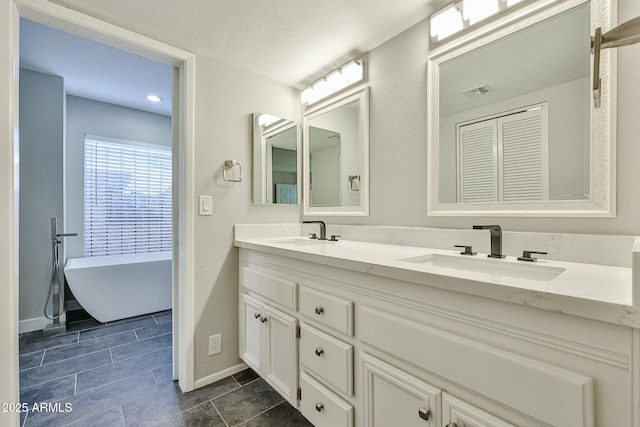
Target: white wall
{"points": [[225, 99], [42, 102], [325, 181], [85, 116]]}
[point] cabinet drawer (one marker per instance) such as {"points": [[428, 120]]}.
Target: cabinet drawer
{"points": [[321, 406], [328, 358], [276, 289], [334, 312], [460, 413]]}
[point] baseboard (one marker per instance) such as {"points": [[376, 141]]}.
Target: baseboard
{"points": [[210, 379], [30, 325]]}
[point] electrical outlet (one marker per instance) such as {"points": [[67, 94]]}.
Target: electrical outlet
{"points": [[214, 344]]}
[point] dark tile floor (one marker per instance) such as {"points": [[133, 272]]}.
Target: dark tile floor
{"points": [[119, 375]]}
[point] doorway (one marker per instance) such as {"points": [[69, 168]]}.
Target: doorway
{"points": [[183, 85]]}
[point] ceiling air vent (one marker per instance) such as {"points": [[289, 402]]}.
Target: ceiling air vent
{"points": [[477, 91]]}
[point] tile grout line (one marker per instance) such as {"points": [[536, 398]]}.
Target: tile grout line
{"points": [[219, 414], [118, 380], [267, 410], [124, 421], [86, 370]]}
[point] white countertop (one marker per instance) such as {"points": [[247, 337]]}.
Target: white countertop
{"points": [[599, 292]]}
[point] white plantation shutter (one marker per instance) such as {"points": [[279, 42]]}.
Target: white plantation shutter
{"points": [[127, 197], [505, 158], [477, 156], [522, 139]]}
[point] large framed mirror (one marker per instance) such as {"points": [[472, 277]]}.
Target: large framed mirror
{"points": [[336, 156], [276, 151], [512, 126]]}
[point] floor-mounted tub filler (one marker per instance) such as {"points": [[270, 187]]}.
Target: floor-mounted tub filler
{"points": [[119, 286], [56, 289]]}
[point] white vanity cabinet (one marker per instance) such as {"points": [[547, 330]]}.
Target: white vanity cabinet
{"points": [[377, 351], [268, 336]]}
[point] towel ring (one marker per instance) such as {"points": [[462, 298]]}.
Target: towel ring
{"points": [[229, 164]]}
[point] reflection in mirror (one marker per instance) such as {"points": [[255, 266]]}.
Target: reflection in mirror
{"points": [[512, 132], [336, 157], [275, 160], [517, 128]]}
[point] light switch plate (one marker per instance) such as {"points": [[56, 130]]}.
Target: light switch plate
{"points": [[205, 205]]}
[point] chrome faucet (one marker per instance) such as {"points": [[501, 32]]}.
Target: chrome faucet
{"points": [[323, 229], [496, 239]]}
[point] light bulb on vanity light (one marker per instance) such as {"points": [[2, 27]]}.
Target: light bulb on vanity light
{"points": [[477, 10], [446, 22]]}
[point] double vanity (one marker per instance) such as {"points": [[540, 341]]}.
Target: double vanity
{"points": [[394, 326]]}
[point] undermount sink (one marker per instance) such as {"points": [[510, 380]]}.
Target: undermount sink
{"points": [[528, 271], [300, 242]]}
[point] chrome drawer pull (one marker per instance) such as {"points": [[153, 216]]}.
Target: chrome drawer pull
{"points": [[263, 319], [257, 315], [319, 351], [319, 406], [319, 310]]}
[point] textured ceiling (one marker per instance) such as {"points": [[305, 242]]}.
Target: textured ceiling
{"points": [[291, 41]]}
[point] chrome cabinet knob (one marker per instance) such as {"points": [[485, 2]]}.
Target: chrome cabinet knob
{"points": [[451, 425], [319, 310], [319, 351], [319, 406], [257, 315], [263, 319]]}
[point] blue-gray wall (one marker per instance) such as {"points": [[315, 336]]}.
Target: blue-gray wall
{"points": [[42, 110]]}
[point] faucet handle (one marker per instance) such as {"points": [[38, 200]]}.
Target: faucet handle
{"points": [[526, 256], [334, 238], [313, 236], [468, 250]]}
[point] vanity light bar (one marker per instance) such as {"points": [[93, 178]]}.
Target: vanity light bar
{"points": [[345, 76], [266, 120], [463, 14]]}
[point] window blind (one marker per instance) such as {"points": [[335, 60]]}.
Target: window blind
{"points": [[127, 198]]}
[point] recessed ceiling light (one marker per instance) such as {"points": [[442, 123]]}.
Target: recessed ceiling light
{"points": [[154, 98]]}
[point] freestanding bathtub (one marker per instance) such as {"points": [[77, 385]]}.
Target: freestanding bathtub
{"points": [[119, 286]]}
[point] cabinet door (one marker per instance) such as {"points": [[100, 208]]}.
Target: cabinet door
{"points": [[394, 398], [458, 413], [251, 332], [281, 355]]}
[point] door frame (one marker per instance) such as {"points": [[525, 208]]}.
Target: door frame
{"points": [[74, 22]]}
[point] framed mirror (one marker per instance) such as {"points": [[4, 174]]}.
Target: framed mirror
{"points": [[276, 148], [512, 126], [336, 156]]}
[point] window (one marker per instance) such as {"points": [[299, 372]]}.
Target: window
{"points": [[504, 158], [127, 197]]}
